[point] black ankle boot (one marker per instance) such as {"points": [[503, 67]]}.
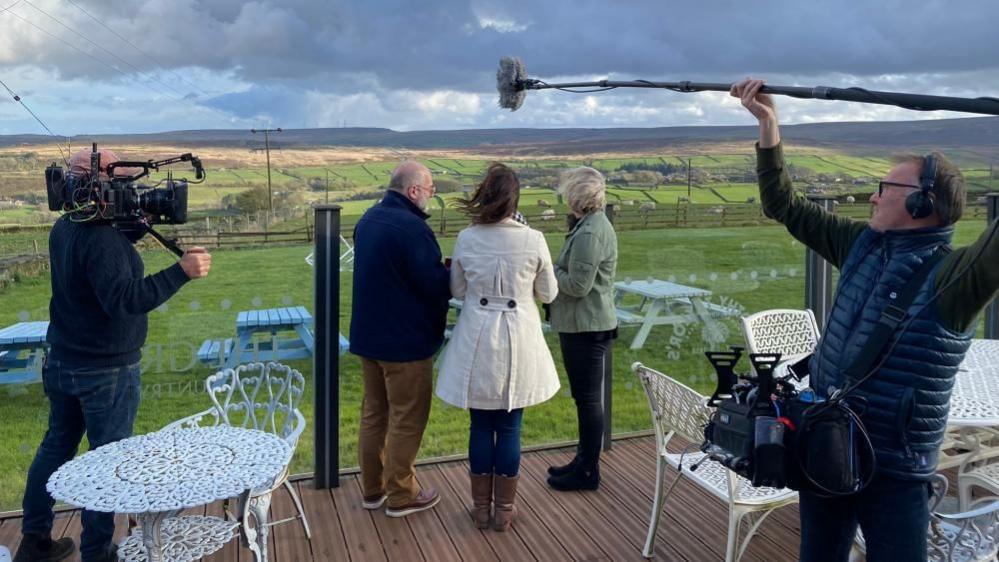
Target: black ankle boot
{"points": [[38, 548], [579, 478], [565, 468]]}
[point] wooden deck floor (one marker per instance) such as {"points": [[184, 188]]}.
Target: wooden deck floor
{"points": [[609, 524]]}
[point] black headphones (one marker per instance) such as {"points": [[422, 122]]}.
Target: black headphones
{"points": [[920, 204]]}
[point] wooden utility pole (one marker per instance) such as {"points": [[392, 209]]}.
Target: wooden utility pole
{"points": [[688, 178], [267, 148]]}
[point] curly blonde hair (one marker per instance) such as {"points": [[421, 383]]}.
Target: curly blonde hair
{"points": [[584, 189]]}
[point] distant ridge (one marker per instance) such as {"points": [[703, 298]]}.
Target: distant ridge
{"points": [[975, 133]]}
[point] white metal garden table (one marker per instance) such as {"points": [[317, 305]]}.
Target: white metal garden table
{"points": [[156, 476], [975, 399]]}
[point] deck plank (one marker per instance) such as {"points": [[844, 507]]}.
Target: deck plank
{"points": [[359, 531], [328, 542], [288, 539], [396, 536], [455, 516], [609, 524]]}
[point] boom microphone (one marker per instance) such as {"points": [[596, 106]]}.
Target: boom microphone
{"points": [[512, 83]]}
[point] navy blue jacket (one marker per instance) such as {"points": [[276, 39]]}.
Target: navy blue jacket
{"points": [[401, 287]]}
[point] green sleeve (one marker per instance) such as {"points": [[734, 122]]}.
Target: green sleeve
{"points": [[974, 271], [577, 279], [831, 236]]}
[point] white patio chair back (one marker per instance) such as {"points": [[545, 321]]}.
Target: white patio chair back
{"points": [[260, 396], [792, 333], [676, 408], [679, 410]]}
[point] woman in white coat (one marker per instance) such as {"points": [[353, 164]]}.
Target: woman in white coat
{"points": [[497, 362]]}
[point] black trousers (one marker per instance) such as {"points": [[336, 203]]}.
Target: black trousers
{"points": [[583, 356]]}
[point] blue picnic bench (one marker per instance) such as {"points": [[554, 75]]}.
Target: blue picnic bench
{"points": [[244, 348], [22, 352]]}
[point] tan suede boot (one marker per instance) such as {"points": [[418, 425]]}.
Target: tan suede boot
{"points": [[482, 499], [505, 497]]}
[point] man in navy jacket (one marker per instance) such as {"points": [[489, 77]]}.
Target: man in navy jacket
{"points": [[400, 303]]}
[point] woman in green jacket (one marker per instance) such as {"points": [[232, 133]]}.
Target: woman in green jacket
{"points": [[583, 314]]}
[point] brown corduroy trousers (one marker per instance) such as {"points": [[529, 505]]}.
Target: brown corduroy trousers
{"points": [[394, 413]]}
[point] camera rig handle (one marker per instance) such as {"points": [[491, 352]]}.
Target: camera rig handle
{"points": [[199, 170]]}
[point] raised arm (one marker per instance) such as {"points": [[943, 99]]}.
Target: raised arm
{"points": [[826, 233]]}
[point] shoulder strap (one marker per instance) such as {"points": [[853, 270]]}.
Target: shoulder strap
{"points": [[891, 317]]}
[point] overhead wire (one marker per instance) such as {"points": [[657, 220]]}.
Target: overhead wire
{"points": [[108, 51], [18, 99], [102, 62], [134, 46]]}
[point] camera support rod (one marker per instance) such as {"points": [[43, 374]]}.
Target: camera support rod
{"points": [[168, 244]]}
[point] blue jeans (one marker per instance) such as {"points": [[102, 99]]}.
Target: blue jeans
{"points": [[494, 441], [101, 402], [894, 515]]}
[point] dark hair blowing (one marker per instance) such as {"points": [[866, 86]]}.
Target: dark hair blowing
{"points": [[495, 198]]}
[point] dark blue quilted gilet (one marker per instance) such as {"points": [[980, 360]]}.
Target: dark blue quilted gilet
{"points": [[908, 398]]}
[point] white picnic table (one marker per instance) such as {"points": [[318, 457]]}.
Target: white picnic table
{"points": [[158, 475], [22, 352], [663, 303]]}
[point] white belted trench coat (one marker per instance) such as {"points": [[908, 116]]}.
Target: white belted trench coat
{"points": [[497, 358]]}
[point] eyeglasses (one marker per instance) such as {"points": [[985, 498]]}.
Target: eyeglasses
{"points": [[883, 184]]}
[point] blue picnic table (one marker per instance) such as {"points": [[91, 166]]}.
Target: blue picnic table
{"points": [[22, 352], [272, 321]]}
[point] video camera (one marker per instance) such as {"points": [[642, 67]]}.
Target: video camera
{"points": [[89, 196]]}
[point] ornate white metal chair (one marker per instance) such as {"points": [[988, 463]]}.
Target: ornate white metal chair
{"points": [[792, 333], [969, 536], [679, 410], [263, 397]]}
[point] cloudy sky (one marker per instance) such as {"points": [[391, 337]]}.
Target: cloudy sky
{"points": [[97, 66]]}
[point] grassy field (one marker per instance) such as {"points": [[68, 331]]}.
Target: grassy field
{"points": [[349, 171], [748, 269]]}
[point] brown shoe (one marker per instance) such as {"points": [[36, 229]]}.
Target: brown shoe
{"points": [[374, 502], [504, 498], [482, 499], [427, 498]]}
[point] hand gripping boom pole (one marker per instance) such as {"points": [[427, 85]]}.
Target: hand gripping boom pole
{"points": [[512, 83]]}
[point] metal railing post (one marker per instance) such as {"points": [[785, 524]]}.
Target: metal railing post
{"points": [[608, 383], [326, 358], [818, 275], [992, 311]]}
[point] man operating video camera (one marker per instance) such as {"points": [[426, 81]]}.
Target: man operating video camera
{"points": [[907, 391], [98, 321]]}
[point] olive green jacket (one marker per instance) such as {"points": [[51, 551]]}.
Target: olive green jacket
{"points": [[585, 271]]}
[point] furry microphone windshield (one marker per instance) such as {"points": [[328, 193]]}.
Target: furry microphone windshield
{"points": [[510, 83]]}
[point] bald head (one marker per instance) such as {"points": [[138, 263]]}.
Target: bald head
{"points": [[414, 181], [408, 174]]}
